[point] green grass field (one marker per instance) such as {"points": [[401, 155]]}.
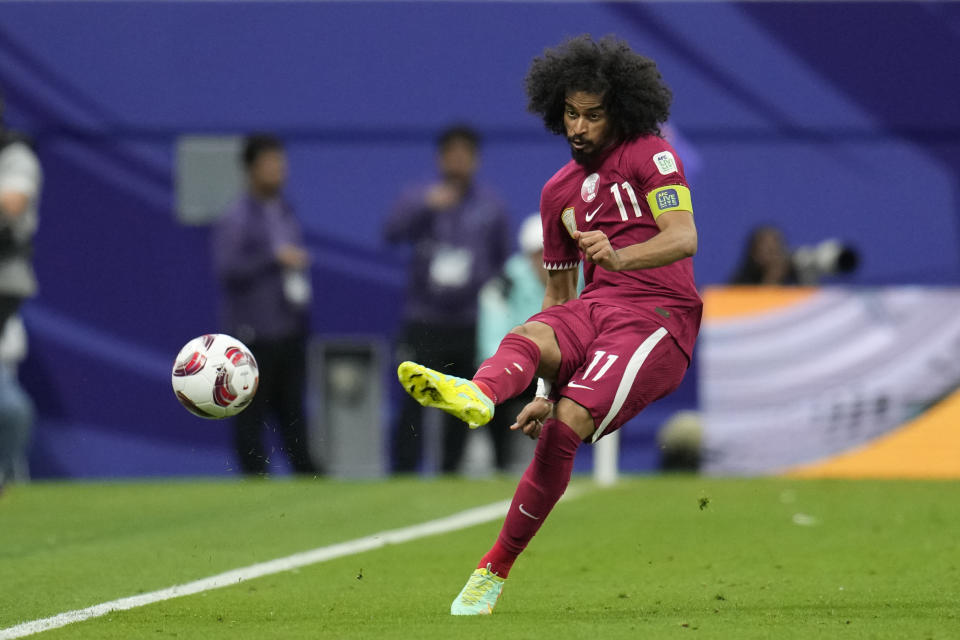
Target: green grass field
{"points": [[762, 558]]}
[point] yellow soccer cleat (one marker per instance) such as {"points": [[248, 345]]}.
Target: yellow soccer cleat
{"points": [[457, 396], [479, 596]]}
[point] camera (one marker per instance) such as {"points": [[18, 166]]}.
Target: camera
{"points": [[827, 258]]}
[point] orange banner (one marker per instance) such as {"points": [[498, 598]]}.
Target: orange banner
{"points": [[927, 447], [741, 301]]}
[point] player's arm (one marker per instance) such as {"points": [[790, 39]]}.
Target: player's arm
{"points": [[561, 286], [560, 255], [676, 240]]}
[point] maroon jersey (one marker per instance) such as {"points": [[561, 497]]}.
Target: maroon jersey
{"points": [[623, 196]]}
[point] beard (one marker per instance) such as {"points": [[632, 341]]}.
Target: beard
{"points": [[587, 154]]}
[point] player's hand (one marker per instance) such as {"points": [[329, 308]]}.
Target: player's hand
{"points": [[293, 257], [531, 417], [597, 249]]}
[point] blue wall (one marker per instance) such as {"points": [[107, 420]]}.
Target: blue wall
{"points": [[828, 119]]}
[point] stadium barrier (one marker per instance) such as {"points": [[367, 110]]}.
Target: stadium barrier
{"points": [[346, 389], [834, 381]]}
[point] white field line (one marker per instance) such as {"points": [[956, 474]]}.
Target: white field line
{"points": [[457, 521]]}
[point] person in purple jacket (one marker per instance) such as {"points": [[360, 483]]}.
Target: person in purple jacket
{"points": [[459, 233], [263, 268]]}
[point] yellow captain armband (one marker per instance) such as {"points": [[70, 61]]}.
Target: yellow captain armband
{"points": [[674, 197]]}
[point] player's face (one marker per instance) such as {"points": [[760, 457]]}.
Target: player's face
{"points": [[588, 127]]}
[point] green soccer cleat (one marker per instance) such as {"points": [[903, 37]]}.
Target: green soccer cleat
{"points": [[457, 396], [479, 595]]}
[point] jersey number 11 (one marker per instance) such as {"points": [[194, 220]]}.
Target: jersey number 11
{"points": [[615, 190]]}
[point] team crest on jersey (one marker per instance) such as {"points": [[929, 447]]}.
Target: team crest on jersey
{"points": [[666, 163], [588, 191]]}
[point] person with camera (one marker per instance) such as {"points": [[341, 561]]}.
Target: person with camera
{"points": [[766, 259], [20, 181]]}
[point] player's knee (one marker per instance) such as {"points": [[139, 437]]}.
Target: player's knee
{"points": [[576, 417], [542, 335], [522, 330], [536, 331]]}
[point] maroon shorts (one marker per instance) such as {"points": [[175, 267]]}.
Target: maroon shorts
{"points": [[613, 363]]}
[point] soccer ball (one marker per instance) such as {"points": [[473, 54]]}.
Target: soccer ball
{"points": [[215, 376]]}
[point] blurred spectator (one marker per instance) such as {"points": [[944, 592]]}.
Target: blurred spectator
{"points": [[508, 301], [459, 234], [20, 181], [263, 268], [766, 259], [16, 408]]}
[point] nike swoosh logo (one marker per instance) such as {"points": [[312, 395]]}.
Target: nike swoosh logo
{"points": [[579, 386], [593, 213], [527, 513]]}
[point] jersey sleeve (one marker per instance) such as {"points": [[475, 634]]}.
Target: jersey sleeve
{"points": [[660, 175], [560, 252]]}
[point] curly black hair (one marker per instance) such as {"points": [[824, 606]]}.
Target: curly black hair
{"points": [[634, 96]]}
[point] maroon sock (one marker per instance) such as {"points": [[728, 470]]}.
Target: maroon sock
{"points": [[510, 370], [541, 486]]}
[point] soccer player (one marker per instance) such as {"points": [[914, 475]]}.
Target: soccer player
{"points": [[622, 205]]}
